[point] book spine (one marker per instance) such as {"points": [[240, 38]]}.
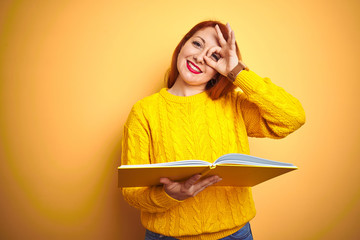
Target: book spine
{"points": [[204, 173]]}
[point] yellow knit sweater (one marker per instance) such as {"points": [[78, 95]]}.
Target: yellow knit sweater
{"points": [[164, 128]]}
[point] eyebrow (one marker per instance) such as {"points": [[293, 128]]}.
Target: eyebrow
{"points": [[201, 39]]}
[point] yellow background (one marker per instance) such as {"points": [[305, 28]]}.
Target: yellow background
{"points": [[71, 70]]}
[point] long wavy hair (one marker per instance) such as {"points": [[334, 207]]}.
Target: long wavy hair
{"points": [[215, 88]]}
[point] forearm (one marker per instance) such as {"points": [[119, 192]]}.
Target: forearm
{"points": [[149, 199], [279, 113]]}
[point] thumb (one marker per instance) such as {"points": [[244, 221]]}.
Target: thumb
{"points": [[165, 181]]}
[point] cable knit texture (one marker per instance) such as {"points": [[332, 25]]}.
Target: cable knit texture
{"points": [[165, 128]]}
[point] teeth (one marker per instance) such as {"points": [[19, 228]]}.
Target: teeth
{"points": [[193, 67]]}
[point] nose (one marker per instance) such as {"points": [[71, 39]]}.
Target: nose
{"points": [[199, 57]]}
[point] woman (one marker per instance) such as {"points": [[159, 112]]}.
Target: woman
{"points": [[201, 116]]}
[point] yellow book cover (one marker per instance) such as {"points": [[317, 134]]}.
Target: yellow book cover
{"points": [[235, 169]]}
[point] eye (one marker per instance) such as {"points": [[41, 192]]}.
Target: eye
{"points": [[196, 44], [215, 57]]}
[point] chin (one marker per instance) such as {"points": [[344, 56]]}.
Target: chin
{"points": [[196, 84], [190, 80]]}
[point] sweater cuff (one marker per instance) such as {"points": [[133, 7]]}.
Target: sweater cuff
{"points": [[248, 81], [162, 199]]}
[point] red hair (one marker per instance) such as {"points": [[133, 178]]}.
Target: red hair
{"points": [[222, 85]]}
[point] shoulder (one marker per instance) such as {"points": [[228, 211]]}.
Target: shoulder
{"points": [[147, 103], [141, 109]]}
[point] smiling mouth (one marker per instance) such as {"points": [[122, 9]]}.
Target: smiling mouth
{"points": [[192, 67]]}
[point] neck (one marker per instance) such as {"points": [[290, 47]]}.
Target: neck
{"points": [[180, 88]]}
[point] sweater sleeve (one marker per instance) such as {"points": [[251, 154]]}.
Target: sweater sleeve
{"points": [[267, 110], [135, 150]]}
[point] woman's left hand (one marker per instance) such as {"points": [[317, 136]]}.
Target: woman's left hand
{"points": [[227, 51]]}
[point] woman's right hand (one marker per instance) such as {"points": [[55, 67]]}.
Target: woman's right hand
{"points": [[189, 188]]}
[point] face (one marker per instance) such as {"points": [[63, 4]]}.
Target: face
{"points": [[191, 65]]}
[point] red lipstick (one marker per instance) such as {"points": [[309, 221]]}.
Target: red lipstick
{"points": [[192, 67]]}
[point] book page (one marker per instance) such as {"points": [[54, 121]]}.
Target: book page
{"points": [[170, 164], [237, 158]]}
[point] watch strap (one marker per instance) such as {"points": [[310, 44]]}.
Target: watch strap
{"points": [[233, 73]]}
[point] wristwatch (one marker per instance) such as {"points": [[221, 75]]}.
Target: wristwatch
{"points": [[233, 73]]}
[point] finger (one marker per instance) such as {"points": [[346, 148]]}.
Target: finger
{"points": [[214, 53], [229, 31], [196, 192], [208, 184], [210, 62], [216, 49], [222, 40], [232, 41], [192, 180]]}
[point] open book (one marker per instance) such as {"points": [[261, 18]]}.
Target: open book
{"points": [[235, 169]]}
